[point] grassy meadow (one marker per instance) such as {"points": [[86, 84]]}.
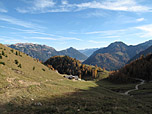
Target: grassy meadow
{"points": [[29, 87]]}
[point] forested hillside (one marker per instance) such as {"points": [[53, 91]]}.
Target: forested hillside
{"points": [[145, 52], [71, 66], [116, 55], [140, 68]]}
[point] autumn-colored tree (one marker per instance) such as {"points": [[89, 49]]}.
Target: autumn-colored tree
{"points": [[79, 74], [86, 72], [95, 73], [104, 69], [140, 68], [68, 65], [96, 66], [99, 68], [50, 66]]}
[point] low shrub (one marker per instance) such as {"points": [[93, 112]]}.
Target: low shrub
{"points": [[16, 62], [3, 63], [20, 66]]}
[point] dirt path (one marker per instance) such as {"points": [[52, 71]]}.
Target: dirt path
{"points": [[136, 87]]}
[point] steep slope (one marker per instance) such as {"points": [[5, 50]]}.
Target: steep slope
{"points": [[133, 50], [43, 52], [88, 52], [111, 57], [116, 55], [73, 53], [26, 83], [25, 80], [140, 69], [145, 52]]}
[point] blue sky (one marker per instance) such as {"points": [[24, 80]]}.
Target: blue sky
{"points": [[75, 23]]}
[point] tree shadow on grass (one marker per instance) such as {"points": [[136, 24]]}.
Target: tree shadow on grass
{"points": [[97, 100]]}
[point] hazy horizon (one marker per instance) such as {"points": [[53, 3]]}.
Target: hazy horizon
{"points": [[70, 46]]}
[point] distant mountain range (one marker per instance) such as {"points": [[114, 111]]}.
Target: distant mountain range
{"points": [[43, 52], [145, 53], [88, 52], [113, 57], [116, 55]]}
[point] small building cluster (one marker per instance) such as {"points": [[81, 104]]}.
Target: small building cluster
{"points": [[71, 77]]}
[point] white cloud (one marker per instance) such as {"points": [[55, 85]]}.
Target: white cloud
{"points": [[59, 38], [18, 22], [11, 40], [44, 6], [69, 38], [140, 19], [65, 2], [30, 31], [95, 42], [46, 36], [43, 38], [108, 32], [20, 10], [39, 6], [3, 10], [15, 21], [146, 30], [111, 36], [117, 5]]}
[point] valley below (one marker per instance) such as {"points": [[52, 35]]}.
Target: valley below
{"points": [[76, 97]]}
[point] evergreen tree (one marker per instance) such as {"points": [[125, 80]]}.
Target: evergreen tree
{"points": [[3, 53], [16, 53]]}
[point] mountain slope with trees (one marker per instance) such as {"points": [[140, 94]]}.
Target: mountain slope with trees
{"points": [[145, 52], [71, 66], [115, 55], [140, 68]]}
